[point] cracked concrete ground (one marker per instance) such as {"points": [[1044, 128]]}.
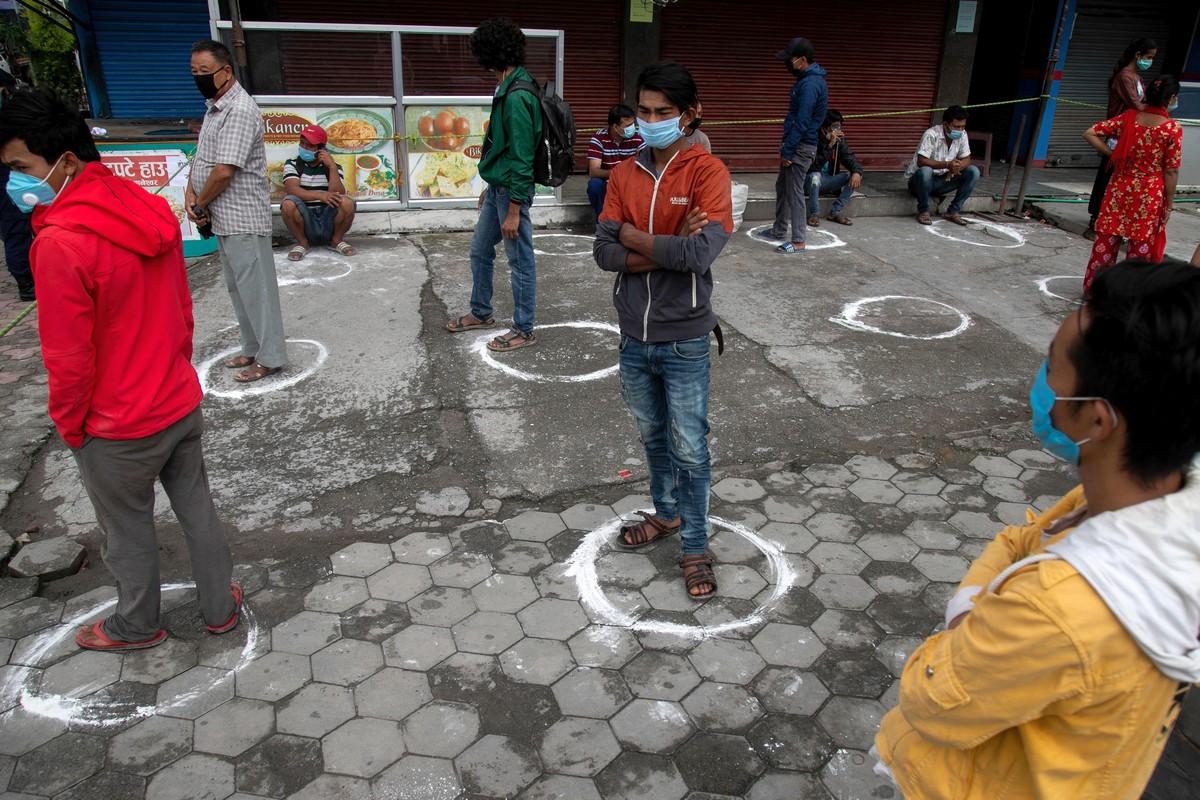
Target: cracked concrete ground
{"points": [[432, 606]]}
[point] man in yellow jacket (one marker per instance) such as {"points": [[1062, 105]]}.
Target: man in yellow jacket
{"points": [[1071, 641]]}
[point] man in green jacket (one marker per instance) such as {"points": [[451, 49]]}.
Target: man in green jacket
{"points": [[507, 168]]}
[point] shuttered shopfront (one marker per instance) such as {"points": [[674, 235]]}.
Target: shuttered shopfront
{"points": [[880, 55]]}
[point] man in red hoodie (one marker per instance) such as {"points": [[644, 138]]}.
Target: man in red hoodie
{"points": [[115, 321]]}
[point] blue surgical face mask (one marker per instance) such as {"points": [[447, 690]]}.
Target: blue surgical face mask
{"points": [[27, 191], [308, 156], [1174, 105], [660, 135], [631, 131], [1041, 400], [1144, 63], [955, 134]]}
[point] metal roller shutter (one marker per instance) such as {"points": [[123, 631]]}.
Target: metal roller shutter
{"points": [[880, 56], [1102, 31], [153, 37]]}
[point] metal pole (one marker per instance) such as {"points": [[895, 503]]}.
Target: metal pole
{"points": [[1041, 112], [1012, 160]]}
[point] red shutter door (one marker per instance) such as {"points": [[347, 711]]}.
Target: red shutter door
{"points": [[880, 56]]}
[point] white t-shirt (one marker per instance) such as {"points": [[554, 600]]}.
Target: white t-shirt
{"points": [[934, 147]]}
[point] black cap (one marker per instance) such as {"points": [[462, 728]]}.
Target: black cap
{"points": [[797, 48]]}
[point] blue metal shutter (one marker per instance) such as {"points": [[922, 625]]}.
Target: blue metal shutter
{"points": [[144, 50]]}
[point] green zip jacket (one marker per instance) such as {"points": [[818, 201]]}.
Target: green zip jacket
{"points": [[513, 134]]}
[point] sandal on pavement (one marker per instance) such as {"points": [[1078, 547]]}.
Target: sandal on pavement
{"points": [[814, 221], [92, 637], [957, 219], [255, 372], [298, 252], [697, 571], [469, 322], [345, 248], [787, 248], [232, 622], [238, 362], [512, 340], [637, 535], [840, 219], [924, 218]]}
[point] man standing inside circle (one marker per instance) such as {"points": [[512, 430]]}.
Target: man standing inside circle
{"points": [[228, 190], [507, 167]]}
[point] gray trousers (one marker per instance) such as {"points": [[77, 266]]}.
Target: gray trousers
{"points": [[253, 287], [791, 203], [119, 476]]}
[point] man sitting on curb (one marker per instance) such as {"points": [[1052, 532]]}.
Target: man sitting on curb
{"points": [[610, 146], [316, 209], [1072, 640], [825, 175], [942, 164]]}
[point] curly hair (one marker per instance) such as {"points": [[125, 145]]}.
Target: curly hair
{"points": [[498, 44]]}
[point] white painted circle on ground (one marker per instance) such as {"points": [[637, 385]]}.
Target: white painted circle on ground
{"points": [[1043, 285], [585, 252], [480, 347], [272, 384], [851, 312], [582, 566], [831, 239], [940, 228], [304, 272], [102, 710]]}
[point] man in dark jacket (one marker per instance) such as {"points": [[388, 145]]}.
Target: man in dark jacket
{"points": [[806, 110], [826, 175]]}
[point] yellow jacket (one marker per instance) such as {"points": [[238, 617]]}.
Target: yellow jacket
{"points": [[1042, 691]]}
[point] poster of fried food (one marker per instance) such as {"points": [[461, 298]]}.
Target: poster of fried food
{"points": [[445, 145]]}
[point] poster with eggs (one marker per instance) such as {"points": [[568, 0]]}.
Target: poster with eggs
{"points": [[445, 145]]}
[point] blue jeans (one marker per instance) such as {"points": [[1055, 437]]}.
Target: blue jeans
{"points": [[819, 184], [520, 259], [665, 385], [924, 184], [597, 190], [318, 220]]}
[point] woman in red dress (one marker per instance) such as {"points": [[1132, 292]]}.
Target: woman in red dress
{"points": [[1145, 166]]}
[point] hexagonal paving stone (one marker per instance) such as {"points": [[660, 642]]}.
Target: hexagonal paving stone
{"points": [[739, 490], [925, 506], [632, 570], [848, 592], [441, 729], [48, 559], [521, 558], [27, 616], [273, 676], [660, 676], [578, 746], [347, 662], [833, 527], [418, 647], [552, 619], [829, 475], [906, 615], [541, 661], [873, 491], [788, 645], [557, 787], [554, 581], [930, 535], [1011, 513], [604, 646], [790, 537], [361, 559], [726, 660], [81, 674], [465, 678], [847, 630], [723, 707], [888, 547], [781, 785], [966, 497], [1008, 489], [719, 763], [790, 691], [498, 766], [870, 467], [441, 606], [535, 526], [850, 773], [787, 509], [150, 745], [652, 726], [234, 727], [22, 730], [794, 743], [894, 578], [336, 594], [505, 593], [392, 694], [996, 465], [315, 710], [941, 566], [306, 633], [894, 651], [642, 776], [195, 692], [487, 632], [586, 516], [918, 483], [341, 787], [108, 785], [461, 570], [663, 594], [363, 747], [596, 693], [853, 674], [58, 764], [838, 559], [421, 548], [160, 663], [399, 582], [539, 710], [852, 721], [736, 549], [414, 778], [194, 775], [1034, 459], [375, 620], [738, 581], [975, 524]]}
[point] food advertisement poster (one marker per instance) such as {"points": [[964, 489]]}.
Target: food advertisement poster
{"points": [[360, 141], [162, 171], [444, 150]]}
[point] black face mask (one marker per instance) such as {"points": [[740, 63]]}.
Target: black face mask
{"points": [[207, 84]]}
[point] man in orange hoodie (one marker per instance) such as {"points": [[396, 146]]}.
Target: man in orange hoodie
{"points": [[115, 321]]}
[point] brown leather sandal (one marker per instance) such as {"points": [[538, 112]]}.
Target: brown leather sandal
{"points": [[697, 571], [637, 535], [469, 322]]}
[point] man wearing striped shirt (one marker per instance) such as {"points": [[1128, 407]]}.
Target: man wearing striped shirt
{"points": [[610, 146], [316, 209]]}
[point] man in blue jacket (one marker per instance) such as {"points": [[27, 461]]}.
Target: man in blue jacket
{"points": [[806, 112]]}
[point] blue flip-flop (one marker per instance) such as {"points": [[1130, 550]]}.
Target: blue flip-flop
{"points": [[787, 248], [766, 235]]}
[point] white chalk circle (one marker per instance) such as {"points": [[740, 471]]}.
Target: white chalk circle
{"points": [[940, 228], [582, 566], [480, 347], [307, 271], [272, 384], [850, 317], [104, 711], [831, 239], [1043, 285], [587, 251]]}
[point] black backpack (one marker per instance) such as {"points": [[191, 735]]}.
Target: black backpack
{"points": [[554, 158]]}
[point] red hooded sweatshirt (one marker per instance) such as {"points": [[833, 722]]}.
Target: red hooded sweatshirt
{"points": [[114, 311]]}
